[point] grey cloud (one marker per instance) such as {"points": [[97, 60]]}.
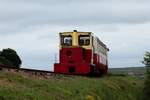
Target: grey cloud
{"points": [[79, 13], [21, 15]]}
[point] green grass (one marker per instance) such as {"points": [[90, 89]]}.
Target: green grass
{"points": [[18, 86]]}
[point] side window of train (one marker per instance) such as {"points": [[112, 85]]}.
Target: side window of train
{"points": [[66, 40], [84, 40]]}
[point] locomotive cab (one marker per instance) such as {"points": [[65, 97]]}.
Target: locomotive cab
{"points": [[76, 53], [75, 39]]}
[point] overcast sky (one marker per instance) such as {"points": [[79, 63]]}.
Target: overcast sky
{"points": [[31, 27]]}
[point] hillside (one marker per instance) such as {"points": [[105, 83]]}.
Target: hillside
{"points": [[20, 86], [137, 71]]}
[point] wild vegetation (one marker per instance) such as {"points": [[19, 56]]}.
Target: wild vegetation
{"points": [[10, 57], [146, 90], [19, 86]]}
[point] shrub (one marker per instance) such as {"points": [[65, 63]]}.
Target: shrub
{"points": [[5, 61], [146, 89], [10, 57]]}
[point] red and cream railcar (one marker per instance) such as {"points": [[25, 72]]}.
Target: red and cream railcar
{"points": [[81, 53]]}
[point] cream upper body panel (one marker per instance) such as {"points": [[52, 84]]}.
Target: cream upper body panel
{"points": [[75, 39], [95, 44]]}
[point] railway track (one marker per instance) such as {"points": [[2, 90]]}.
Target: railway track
{"points": [[29, 71]]}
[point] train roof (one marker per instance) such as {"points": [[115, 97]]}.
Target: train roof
{"points": [[75, 31]]}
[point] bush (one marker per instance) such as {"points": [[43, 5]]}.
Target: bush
{"points": [[5, 61], [146, 89], [10, 57]]}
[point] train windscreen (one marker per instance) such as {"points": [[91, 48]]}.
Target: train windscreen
{"points": [[84, 40], [66, 40]]}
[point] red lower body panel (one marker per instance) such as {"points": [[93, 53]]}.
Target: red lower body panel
{"points": [[79, 68], [77, 60]]}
